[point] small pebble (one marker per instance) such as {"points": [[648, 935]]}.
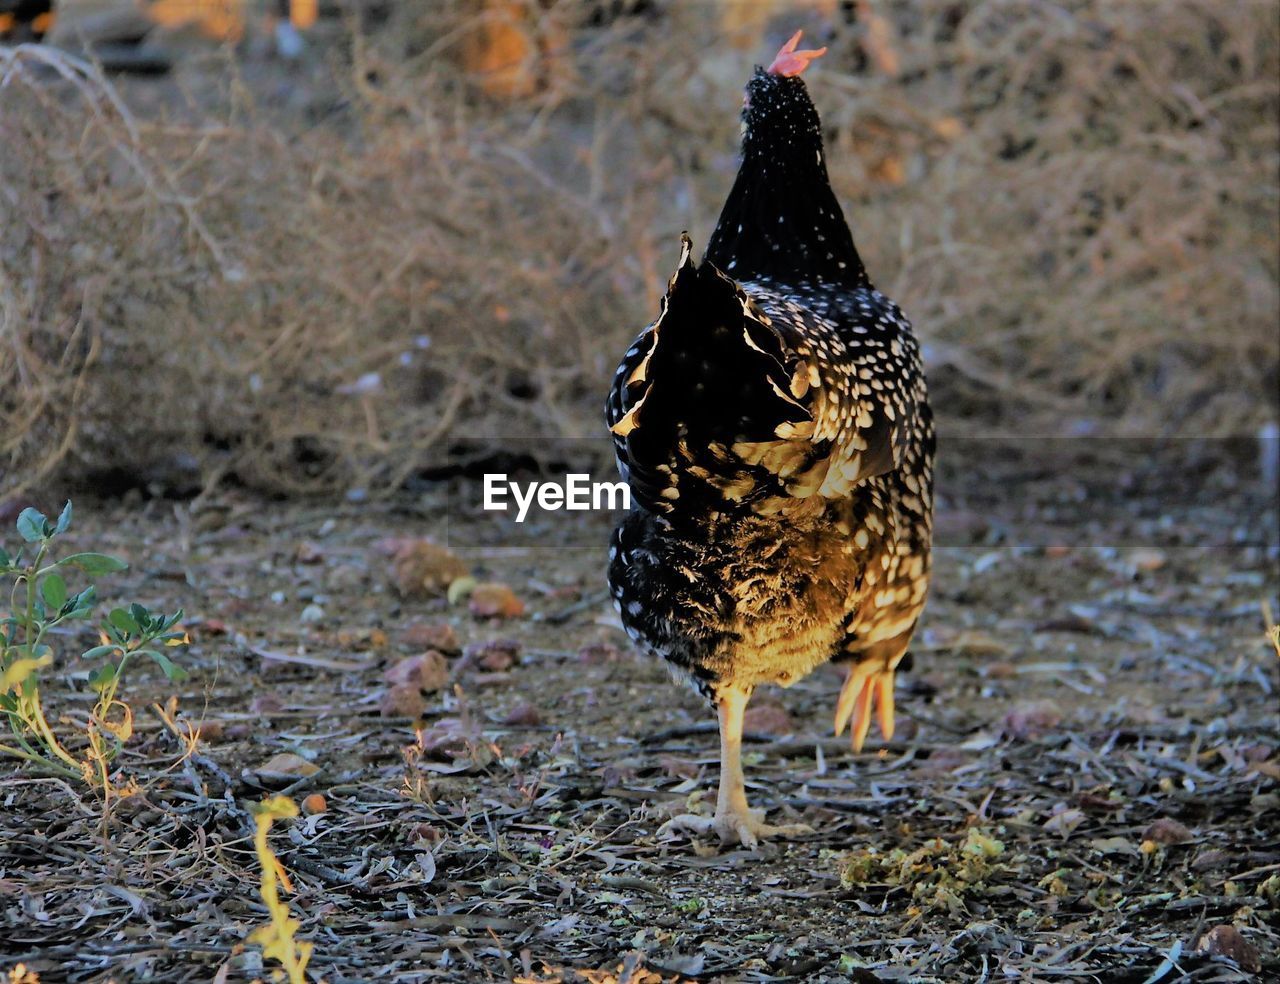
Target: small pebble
{"points": [[315, 803]]}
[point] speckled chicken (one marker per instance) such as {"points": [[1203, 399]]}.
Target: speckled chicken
{"points": [[774, 428]]}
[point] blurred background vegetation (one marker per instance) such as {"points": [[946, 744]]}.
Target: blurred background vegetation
{"points": [[429, 230]]}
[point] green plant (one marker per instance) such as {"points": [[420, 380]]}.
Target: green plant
{"points": [[277, 937], [39, 602]]}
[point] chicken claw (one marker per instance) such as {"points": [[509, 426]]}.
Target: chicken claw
{"points": [[747, 829], [867, 684]]}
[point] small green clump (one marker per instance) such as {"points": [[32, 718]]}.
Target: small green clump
{"points": [[939, 872]]}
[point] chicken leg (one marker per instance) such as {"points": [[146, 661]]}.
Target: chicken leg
{"points": [[734, 822]]}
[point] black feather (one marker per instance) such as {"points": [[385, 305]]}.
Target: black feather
{"points": [[781, 221]]}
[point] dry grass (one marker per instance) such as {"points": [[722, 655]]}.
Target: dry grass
{"points": [[332, 276]]}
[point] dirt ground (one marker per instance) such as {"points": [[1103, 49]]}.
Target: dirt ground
{"points": [[1084, 782]]}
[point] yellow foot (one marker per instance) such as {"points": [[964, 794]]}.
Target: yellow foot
{"points": [[866, 685], [747, 828]]}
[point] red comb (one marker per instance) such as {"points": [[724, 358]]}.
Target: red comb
{"points": [[790, 62]]}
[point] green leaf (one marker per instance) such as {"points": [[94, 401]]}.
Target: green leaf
{"points": [[140, 615], [93, 563], [171, 669], [97, 651], [64, 519], [5, 560], [123, 621], [81, 604], [54, 590], [100, 678], [32, 525], [8, 703]]}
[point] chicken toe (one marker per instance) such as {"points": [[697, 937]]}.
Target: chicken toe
{"points": [[747, 829], [866, 685]]}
